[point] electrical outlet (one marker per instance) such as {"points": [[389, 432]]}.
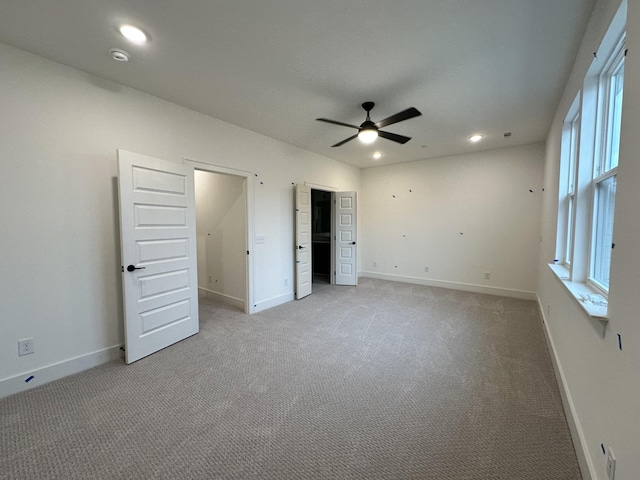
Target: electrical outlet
{"points": [[286, 282], [487, 275], [375, 264], [426, 269], [611, 465], [210, 279], [25, 347], [260, 238]]}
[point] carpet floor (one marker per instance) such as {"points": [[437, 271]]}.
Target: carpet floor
{"points": [[381, 381]]}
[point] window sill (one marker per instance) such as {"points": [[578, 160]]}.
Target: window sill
{"points": [[592, 302]]}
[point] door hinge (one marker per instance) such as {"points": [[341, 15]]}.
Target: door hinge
{"points": [[247, 252], [123, 268]]}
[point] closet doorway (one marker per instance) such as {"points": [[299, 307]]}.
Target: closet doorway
{"points": [[222, 223], [325, 239], [321, 239]]}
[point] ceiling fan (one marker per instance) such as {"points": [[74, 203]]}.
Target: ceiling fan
{"points": [[368, 131]]}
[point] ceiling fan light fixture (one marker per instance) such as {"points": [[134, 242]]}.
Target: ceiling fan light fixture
{"points": [[367, 135], [368, 131]]}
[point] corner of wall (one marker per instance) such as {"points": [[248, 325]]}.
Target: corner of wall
{"points": [[577, 435]]}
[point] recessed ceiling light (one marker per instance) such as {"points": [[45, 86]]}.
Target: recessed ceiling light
{"points": [[476, 138], [133, 34], [376, 155], [119, 55]]}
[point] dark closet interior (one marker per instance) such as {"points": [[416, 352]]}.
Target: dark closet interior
{"points": [[321, 236]]}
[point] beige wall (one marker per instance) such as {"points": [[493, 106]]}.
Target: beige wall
{"points": [[461, 216], [601, 382]]}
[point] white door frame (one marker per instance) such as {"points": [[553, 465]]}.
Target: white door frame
{"points": [[332, 190], [249, 306]]}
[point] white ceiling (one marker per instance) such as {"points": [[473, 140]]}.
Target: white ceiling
{"points": [[470, 66]]}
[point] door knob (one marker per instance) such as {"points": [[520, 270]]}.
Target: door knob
{"points": [[300, 247], [131, 268], [353, 243]]}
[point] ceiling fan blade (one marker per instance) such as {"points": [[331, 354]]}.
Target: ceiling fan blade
{"points": [[345, 141], [393, 137], [399, 117], [336, 123]]}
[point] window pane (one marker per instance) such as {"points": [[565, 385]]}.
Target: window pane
{"points": [[569, 246], [617, 81], [606, 196], [573, 154], [572, 134]]}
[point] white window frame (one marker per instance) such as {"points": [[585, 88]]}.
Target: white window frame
{"points": [[573, 141], [588, 123], [605, 168]]}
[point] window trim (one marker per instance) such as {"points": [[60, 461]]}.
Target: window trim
{"points": [[572, 186], [602, 169]]}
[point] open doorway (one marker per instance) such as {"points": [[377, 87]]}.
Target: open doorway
{"points": [[321, 239], [221, 233], [311, 239]]}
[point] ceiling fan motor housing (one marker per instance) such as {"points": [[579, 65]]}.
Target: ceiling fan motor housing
{"points": [[368, 125]]}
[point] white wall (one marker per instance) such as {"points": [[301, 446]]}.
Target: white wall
{"points": [[461, 216], [221, 216], [60, 281], [601, 382]]}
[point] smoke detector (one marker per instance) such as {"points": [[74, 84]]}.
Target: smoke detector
{"points": [[119, 55]]}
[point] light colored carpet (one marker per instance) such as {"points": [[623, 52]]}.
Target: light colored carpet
{"points": [[382, 381]]}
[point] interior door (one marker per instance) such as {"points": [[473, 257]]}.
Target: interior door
{"points": [[158, 239], [303, 241], [346, 233]]}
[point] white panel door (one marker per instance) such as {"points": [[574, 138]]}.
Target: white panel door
{"points": [[303, 241], [158, 239], [346, 229]]}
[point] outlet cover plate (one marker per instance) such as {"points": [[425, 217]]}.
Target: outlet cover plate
{"points": [[25, 347]]}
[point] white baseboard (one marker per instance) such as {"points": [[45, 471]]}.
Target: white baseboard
{"points": [[272, 302], [466, 287], [577, 435], [228, 299], [55, 371]]}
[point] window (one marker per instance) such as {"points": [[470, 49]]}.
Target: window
{"points": [[588, 171], [571, 136], [606, 171]]}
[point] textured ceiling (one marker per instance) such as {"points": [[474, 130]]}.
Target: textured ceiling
{"points": [[486, 66]]}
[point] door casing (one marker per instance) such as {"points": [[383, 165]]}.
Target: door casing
{"points": [[208, 167]]}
